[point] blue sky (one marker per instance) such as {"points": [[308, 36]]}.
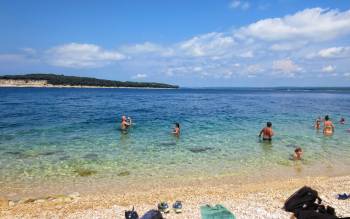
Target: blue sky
{"points": [[190, 43]]}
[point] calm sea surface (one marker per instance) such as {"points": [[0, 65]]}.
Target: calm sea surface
{"points": [[66, 135]]}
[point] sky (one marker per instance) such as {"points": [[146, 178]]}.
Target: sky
{"points": [[191, 43]]}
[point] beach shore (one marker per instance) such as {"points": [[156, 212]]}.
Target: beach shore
{"points": [[252, 200]]}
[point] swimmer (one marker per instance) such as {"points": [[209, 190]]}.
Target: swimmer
{"points": [[342, 120], [298, 152], [318, 123], [267, 132], [126, 123], [176, 130], [328, 127]]}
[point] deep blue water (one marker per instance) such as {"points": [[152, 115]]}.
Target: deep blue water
{"points": [[52, 134]]}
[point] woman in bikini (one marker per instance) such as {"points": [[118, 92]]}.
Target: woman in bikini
{"points": [[328, 127]]}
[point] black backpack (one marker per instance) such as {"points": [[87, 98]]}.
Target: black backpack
{"points": [[303, 199], [131, 214], [152, 214]]}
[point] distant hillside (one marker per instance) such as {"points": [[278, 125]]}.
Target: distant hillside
{"points": [[61, 80]]}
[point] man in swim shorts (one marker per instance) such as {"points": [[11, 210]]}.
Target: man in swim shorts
{"points": [[267, 132], [328, 127]]}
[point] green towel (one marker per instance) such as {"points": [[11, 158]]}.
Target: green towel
{"points": [[216, 212]]}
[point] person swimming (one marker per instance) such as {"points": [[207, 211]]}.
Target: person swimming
{"points": [[267, 132], [342, 120], [298, 153], [328, 127], [125, 123], [318, 123], [176, 130]]}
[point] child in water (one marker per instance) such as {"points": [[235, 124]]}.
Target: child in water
{"points": [[176, 130], [267, 132], [298, 152], [342, 121]]}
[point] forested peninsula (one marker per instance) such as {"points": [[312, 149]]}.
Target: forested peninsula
{"points": [[55, 80]]}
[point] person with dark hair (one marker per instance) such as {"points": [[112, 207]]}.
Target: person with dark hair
{"points": [[342, 120], [267, 132], [318, 123], [328, 127], [298, 152], [176, 130]]}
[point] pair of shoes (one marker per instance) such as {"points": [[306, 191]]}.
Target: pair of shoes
{"points": [[343, 196], [164, 207]]}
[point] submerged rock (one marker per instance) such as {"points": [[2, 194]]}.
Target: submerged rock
{"points": [[124, 173], [167, 143], [85, 172], [200, 150], [91, 157]]}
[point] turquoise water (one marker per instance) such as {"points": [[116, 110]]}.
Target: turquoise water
{"points": [[62, 135]]}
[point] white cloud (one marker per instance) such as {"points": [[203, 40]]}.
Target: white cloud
{"points": [[347, 74], [148, 47], [211, 44], [236, 4], [314, 24], [140, 76], [287, 46], [248, 54], [285, 66], [75, 55], [334, 52], [328, 68]]}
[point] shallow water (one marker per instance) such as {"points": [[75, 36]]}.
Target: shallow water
{"points": [[65, 135]]}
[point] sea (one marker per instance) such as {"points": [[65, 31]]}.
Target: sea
{"points": [[59, 139]]}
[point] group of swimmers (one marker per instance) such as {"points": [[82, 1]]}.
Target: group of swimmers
{"points": [[266, 133], [126, 122]]}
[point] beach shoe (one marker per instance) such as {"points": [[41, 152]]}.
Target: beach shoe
{"points": [[343, 196], [163, 207], [177, 207]]}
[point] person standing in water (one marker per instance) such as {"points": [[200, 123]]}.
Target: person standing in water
{"points": [[328, 127], [125, 124], [267, 132], [176, 130], [318, 123]]}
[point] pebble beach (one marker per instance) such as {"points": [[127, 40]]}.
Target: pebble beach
{"points": [[253, 200]]}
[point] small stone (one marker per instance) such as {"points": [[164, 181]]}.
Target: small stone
{"points": [[39, 201], [74, 195], [124, 173], [4, 203], [12, 203]]}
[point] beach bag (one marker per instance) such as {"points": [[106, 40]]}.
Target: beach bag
{"points": [[152, 214], [131, 214], [304, 199], [311, 214]]}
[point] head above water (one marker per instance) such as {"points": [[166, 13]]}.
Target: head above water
{"points": [[177, 125], [298, 149], [269, 124], [326, 118], [123, 118]]}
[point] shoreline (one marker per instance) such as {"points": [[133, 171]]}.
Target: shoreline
{"points": [[73, 86], [245, 200]]}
